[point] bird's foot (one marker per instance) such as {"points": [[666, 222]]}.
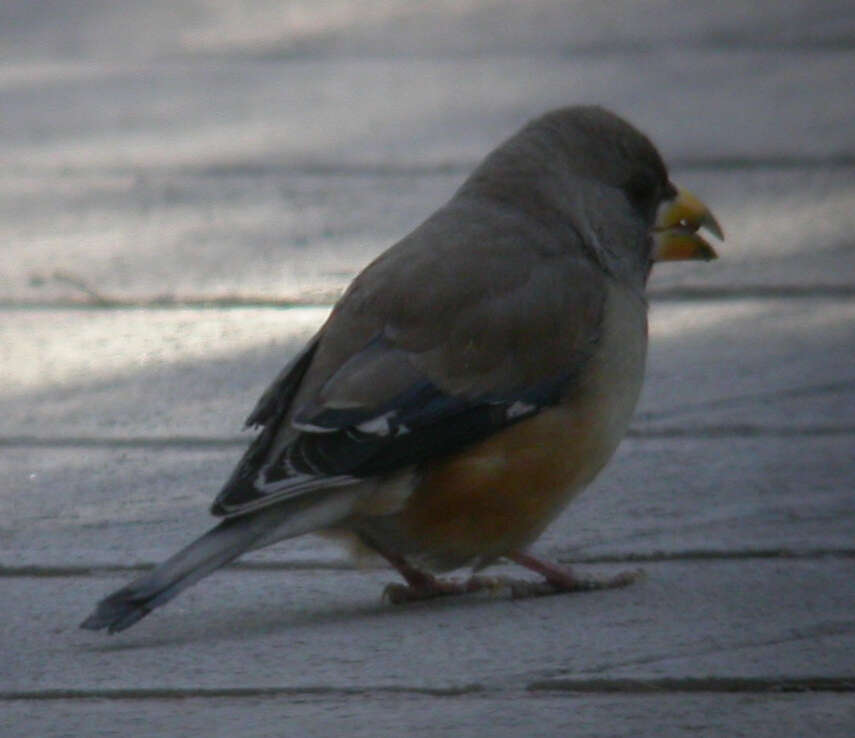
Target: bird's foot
{"points": [[433, 587], [562, 579], [428, 587], [521, 588], [556, 579]]}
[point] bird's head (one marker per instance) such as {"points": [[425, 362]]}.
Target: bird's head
{"points": [[589, 169]]}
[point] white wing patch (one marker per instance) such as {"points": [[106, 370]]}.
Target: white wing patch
{"points": [[518, 409], [383, 426], [297, 483], [377, 426], [380, 425], [310, 428]]}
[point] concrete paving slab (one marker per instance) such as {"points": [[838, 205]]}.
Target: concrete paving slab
{"points": [[778, 363], [159, 29], [206, 149], [54, 521], [281, 235], [83, 507], [174, 373], [69, 367], [274, 235], [505, 715], [307, 629], [179, 177], [698, 104]]}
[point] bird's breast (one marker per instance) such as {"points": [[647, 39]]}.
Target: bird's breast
{"points": [[500, 493]]}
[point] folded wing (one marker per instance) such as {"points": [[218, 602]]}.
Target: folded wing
{"points": [[386, 384]]}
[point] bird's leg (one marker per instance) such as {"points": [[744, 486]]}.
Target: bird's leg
{"points": [[422, 585], [562, 579]]}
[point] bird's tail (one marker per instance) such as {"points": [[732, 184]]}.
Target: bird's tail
{"points": [[220, 545]]}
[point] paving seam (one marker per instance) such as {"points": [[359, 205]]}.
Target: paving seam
{"points": [[663, 557], [95, 300], [193, 443], [322, 169], [711, 684], [651, 686]]}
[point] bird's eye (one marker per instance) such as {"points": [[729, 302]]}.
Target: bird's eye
{"points": [[670, 191], [642, 190]]}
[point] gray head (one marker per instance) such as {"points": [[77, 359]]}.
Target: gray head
{"points": [[585, 168]]}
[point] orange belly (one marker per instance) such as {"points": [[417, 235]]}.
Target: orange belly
{"points": [[501, 494]]}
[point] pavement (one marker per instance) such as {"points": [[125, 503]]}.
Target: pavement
{"points": [[185, 188]]}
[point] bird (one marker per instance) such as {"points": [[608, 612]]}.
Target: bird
{"points": [[471, 380]]}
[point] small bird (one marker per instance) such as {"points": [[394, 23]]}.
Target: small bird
{"points": [[472, 379]]}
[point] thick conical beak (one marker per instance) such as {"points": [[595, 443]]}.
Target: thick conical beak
{"points": [[675, 236]]}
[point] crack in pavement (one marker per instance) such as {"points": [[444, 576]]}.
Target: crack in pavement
{"points": [[458, 167], [740, 430], [643, 686], [166, 693], [91, 299], [710, 555], [801, 634], [807, 390], [142, 442], [724, 684], [725, 430], [664, 557]]}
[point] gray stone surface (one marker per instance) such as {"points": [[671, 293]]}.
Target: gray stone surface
{"points": [[505, 715], [244, 155], [279, 235], [309, 629], [100, 507], [169, 372]]}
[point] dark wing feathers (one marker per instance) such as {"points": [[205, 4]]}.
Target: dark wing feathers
{"points": [[278, 396], [346, 445], [388, 384], [269, 412], [418, 425]]}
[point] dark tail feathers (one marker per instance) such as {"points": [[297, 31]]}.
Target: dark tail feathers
{"points": [[214, 549], [133, 602]]}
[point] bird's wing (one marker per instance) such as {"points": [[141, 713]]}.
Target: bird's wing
{"points": [[277, 398], [426, 353]]}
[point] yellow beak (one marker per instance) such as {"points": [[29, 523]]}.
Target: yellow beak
{"points": [[675, 236]]}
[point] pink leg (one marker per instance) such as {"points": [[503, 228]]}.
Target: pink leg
{"points": [[424, 586], [562, 579]]}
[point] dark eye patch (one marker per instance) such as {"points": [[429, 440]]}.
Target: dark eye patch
{"points": [[643, 191]]}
